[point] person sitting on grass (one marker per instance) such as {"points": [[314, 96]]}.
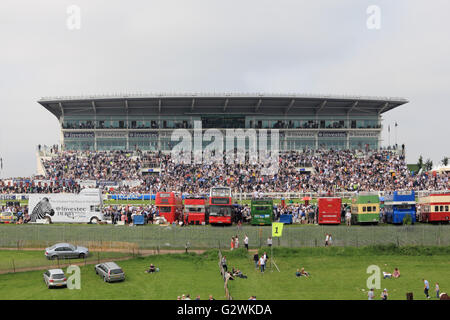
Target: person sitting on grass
{"points": [[304, 273], [396, 273], [298, 273], [152, 269], [387, 275], [238, 273]]}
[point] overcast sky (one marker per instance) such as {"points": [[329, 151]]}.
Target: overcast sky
{"points": [[283, 46]]}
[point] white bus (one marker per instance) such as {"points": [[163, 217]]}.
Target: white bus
{"points": [[85, 207]]}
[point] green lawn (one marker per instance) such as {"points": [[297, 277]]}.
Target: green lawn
{"points": [[10, 259], [335, 274]]}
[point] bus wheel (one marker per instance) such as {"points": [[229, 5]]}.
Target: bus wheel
{"points": [[94, 220]]}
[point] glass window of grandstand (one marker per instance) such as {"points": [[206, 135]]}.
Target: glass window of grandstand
{"points": [[332, 124], [335, 144], [144, 145], [363, 144], [78, 124], [111, 144], [364, 124], [111, 124], [79, 145], [143, 124], [140, 124], [222, 121], [299, 144], [167, 145]]}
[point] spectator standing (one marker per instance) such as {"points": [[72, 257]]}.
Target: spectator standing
{"points": [[436, 288], [224, 263], [426, 287], [269, 241], [256, 260], [348, 218], [327, 239], [246, 242], [384, 294], [262, 264], [371, 294]]}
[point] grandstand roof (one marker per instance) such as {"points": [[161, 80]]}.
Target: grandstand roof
{"points": [[217, 103]]}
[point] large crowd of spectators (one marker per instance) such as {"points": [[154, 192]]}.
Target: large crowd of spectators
{"points": [[329, 171]]}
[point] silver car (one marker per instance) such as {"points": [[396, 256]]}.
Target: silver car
{"points": [[110, 272], [66, 251], [55, 278]]}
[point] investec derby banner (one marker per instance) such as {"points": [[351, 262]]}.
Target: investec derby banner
{"points": [[332, 134], [364, 134], [307, 134], [78, 135], [111, 134], [150, 134]]}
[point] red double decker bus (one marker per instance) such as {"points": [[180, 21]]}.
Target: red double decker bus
{"points": [[170, 205], [195, 210], [435, 207], [329, 210], [220, 206]]}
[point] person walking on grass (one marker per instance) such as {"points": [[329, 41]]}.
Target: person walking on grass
{"points": [[437, 289], [256, 260], [426, 287], [262, 264], [224, 263]]}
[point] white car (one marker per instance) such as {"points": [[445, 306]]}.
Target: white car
{"points": [[55, 278]]}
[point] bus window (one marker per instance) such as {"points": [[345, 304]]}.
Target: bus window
{"points": [[165, 209], [364, 209], [374, 208], [436, 208], [441, 208], [369, 209], [446, 208]]}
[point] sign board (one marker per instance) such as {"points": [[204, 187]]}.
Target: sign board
{"points": [[66, 208], [277, 229]]}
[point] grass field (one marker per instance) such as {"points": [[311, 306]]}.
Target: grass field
{"points": [[19, 259], [336, 273]]}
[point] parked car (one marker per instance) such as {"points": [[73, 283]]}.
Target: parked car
{"points": [[110, 272], [66, 250], [55, 278], [7, 217]]}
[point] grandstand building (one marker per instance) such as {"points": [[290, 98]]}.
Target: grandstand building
{"points": [[146, 122]]}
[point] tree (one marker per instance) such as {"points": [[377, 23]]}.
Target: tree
{"points": [[420, 162], [428, 165], [445, 161]]}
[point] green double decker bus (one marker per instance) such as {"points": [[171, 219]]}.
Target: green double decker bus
{"points": [[366, 209], [261, 211]]}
